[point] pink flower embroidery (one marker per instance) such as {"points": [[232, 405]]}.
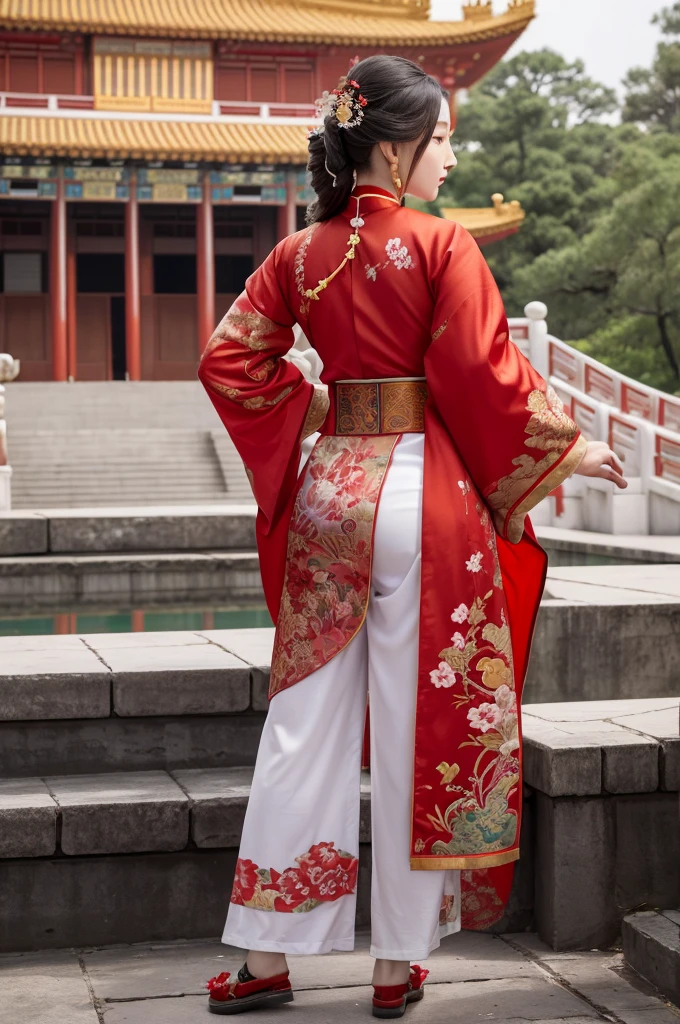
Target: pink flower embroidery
{"points": [[461, 613], [399, 254], [443, 675], [339, 486], [474, 563], [485, 717], [506, 699], [458, 640]]}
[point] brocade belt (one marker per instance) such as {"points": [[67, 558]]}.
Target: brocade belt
{"points": [[391, 405]]}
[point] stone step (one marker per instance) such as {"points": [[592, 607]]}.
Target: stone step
{"points": [[170, 699], [33, 582], [157, 528], [126, 856], [134, 856], [651, 945], [106, 702], [124, 465], [107, 404]]}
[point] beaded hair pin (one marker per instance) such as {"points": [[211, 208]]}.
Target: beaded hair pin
{"points": [[345, 103]]}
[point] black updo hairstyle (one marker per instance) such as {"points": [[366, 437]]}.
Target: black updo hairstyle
{"points": [[403, 104]]}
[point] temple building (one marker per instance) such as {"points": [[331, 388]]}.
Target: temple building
{"points": [[153, 152]]}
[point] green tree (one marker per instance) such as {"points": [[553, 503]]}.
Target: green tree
{"points": [[619, 286], [601, 239], [532, 129], [653, 94]]}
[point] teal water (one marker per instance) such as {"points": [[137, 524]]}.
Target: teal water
{"points": [[159, 617], [140, 620]]}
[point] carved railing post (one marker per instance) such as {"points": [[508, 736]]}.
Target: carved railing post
{"points": [[9, 370]]}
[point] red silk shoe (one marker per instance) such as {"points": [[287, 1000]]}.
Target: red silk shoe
{"points": [[247, 992], [392, 1000]]}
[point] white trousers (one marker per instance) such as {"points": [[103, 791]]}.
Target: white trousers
{"points": [[307, 777]]}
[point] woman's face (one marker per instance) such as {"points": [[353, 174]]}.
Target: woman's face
{"points": [[437, 159]]}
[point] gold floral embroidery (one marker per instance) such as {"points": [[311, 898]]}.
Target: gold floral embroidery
{"points": [[247, 328], [490, 533], [262, 372], [316, 414], [258, 402], [551, 430], [440, 330]]}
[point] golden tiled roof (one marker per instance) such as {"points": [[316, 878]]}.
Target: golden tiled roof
{"points": [[341, 22], [152, 140], [488, 220]]}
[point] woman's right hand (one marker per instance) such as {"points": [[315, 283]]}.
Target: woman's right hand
{"points": [[600, 460]]}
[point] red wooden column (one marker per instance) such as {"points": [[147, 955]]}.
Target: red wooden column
{"points": [[133, 354], [58, 301], [71, 304], [291, 206], [205, 265]]}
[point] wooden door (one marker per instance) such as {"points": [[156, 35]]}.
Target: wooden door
{"points": [[172, 337], [25, 333], [93, 331]]}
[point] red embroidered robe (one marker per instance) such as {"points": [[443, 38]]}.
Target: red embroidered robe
{"points": [[418, 300]]}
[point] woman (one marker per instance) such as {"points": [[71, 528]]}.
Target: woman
{"points": [[399, 560]]}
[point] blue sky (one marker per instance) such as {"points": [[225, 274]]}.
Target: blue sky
{"points": [[609, 35]]}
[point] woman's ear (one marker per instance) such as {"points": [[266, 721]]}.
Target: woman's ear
{"points": [[388, 150]]}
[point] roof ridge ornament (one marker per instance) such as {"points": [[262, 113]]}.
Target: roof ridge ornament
{"points": [[477, 10]]}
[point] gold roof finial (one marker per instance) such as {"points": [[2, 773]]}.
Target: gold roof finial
{"points": [[478, 10]]}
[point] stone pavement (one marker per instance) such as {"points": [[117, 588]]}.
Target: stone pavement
{"points": [[474, 978]]}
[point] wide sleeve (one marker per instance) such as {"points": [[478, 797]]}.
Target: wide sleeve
{"points": [[263, 399], [509, 426]]}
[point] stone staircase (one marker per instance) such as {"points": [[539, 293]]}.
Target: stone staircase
{"points": [[125, 765], [119, 443], [651, 945]]}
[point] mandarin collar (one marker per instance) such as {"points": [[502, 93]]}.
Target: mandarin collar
{"points": [[372, 198]]}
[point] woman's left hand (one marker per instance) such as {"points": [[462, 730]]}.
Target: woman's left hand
{"points": [[599, 460]]}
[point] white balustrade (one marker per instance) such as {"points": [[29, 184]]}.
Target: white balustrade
{"points": [[641, 424], [9, 370]]}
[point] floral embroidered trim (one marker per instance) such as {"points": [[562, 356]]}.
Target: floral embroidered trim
{"points": [[316, 413], [299, 267], [448, 912], [328, 562], [480, 904], [323, 875], [440, 330], [479, 819], [550, 429]]}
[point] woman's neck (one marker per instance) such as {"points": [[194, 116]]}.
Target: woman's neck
{"points": [[380, 177]]}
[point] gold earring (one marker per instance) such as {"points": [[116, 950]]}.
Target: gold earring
{"points": [[394, 171]]}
